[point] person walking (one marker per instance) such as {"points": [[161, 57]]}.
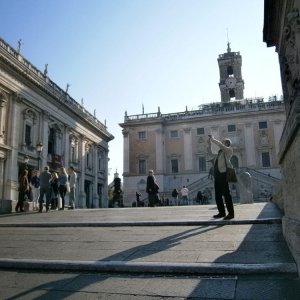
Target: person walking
{"points": [[72, 182], [45, 189], [54, 190], [184, 195], [199, 198], [23, 191], [221, 160], [35, 187], [152, 189], [174, 197], [62, 186]]}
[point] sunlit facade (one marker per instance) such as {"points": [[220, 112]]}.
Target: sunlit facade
{"points": [[40, 124], [174, 145]]}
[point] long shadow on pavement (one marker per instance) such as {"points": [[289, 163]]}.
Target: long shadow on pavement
{"points": [[129, 254]]}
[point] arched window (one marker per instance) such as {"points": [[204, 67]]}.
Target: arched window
{"points": [[29, 117]]}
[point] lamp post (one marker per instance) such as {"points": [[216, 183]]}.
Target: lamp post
{"points": [[39, 149]]}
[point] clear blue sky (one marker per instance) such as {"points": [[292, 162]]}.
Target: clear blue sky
{"points": [[121, 54]]}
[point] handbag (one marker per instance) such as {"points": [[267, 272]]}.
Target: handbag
{"points": [[230, 173]]}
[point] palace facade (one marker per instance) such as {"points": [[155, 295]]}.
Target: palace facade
{"points": [[40, 124], [174, 145]]}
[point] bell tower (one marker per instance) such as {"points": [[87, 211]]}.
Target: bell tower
{"points": [[231, 81]]}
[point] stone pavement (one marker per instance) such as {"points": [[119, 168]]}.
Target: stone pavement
{"points": [[146, 253]]}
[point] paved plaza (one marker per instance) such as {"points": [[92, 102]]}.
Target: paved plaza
{"points": [[147, 253]]}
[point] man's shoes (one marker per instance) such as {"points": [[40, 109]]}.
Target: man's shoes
{"points": [[229, 217], [219, 215]]}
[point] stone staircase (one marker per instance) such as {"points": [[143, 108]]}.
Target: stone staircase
{"points": [[243, 258]]}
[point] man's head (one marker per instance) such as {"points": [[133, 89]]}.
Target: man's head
{"points": [[227, 142], [151, 172]]}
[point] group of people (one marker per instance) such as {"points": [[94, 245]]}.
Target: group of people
{"points": [[221, 161], [51, 186], [184, 199]]}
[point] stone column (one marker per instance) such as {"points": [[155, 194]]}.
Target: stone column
{"points": [[249, 145], [95, 183], [278, 128], [45, 129], [66, 147], [3, 116], [126, 149], [104, 197], [11, 192], [82, 196], [188, 152], [5, 205], [159, 144]]}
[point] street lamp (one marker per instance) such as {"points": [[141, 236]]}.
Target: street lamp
{"points": [[39, 149]]}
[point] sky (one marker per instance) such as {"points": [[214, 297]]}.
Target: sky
{"points": [[123, 55]]}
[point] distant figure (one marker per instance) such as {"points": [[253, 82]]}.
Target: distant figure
{"points": [[152, 189], [174, 197], [45, 189], [184, 195], [200, 198], [139, 203], [54, 191], [23, 191], [62, 186], [35, 187]]}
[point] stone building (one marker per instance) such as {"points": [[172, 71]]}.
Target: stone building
{"points": [[175, 144], [40, 124], [281, 29]]}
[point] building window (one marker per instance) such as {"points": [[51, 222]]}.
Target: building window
{"points": [[101, 161], [142, 166], [231, 128], [73, 149], [174, 166], [229, 70], [265, 159], [263, 125], [142, 135], [27, 135], [200, 131], [202, 164], [174, 133], [88, 158], [51, 141]]}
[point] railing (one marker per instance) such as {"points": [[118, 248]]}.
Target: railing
{"points": [[238, 106], [61, 95]]}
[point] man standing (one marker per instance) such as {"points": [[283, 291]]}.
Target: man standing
{"points": [[45, 189], [222, 160], [184, 195], [152, 189], [72, 181], [35, 187]]}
